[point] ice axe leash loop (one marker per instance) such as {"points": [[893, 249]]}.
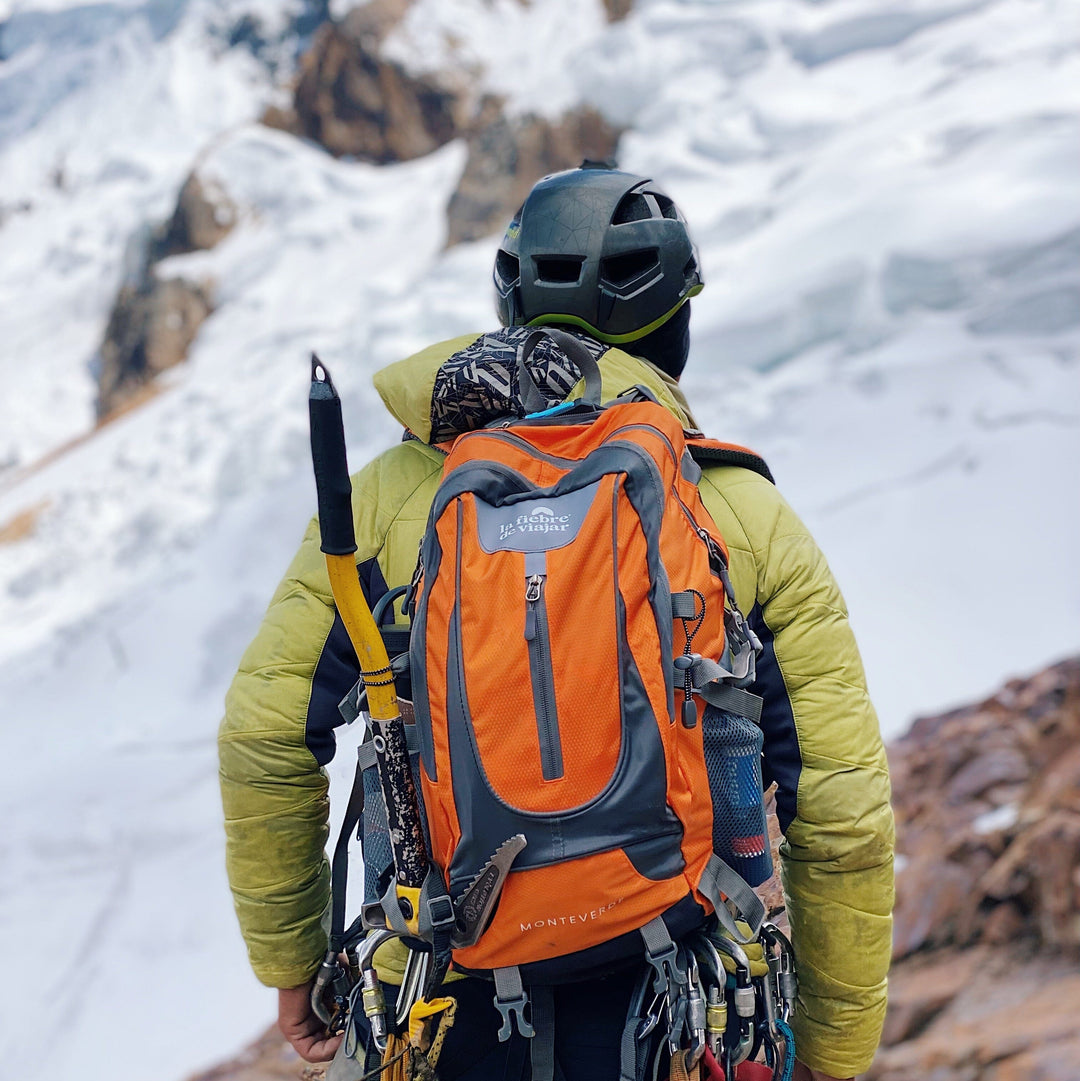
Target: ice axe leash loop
{"points": [[334, 490]]}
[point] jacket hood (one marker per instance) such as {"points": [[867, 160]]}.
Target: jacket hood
{"points": [[466, 382]]}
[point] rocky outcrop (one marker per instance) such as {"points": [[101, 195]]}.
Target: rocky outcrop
{"points": [[204, 215], [151, 326], [269, 1058], [508, 154], [988, 814], [155, 317], [981, 1014], [355, 103], [986, 985], [617, 10]]}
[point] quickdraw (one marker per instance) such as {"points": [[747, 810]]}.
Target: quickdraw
{"points": [[735, 1003]]}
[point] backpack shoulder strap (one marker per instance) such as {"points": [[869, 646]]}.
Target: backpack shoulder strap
{"points": [[713, 452]]}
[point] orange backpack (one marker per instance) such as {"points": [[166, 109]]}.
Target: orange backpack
{"points": [[572, 618]]}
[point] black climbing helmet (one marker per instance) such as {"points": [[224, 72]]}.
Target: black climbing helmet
{"points": [[596, 248]]}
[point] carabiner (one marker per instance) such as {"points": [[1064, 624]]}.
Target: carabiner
{"points": [[368, 993], [696, 1014], [412, 984], [653, 1015]]}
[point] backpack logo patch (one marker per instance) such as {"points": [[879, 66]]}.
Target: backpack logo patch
{"points": [[540, 520], [533, 525]]}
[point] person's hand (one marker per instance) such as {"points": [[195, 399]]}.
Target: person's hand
{"points": [[301, 1027], [804, 1073]]}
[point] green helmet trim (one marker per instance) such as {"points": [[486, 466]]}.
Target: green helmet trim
{"points": [[555, 319]]}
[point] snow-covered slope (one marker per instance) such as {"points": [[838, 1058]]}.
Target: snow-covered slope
{"points": [[886, 199]]}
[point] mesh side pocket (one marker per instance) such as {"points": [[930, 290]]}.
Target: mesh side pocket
{"points": [[733, 759]]}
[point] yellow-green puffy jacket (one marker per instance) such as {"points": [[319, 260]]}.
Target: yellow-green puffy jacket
{"points": [[822, 744]]}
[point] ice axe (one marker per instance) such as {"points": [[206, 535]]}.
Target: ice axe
{"points": [[402, 904]]}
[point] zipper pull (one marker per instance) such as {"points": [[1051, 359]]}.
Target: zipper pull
{"points": [[534, 586]]}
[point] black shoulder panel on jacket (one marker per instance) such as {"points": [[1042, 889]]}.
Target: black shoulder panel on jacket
{"points": [[783, 759], [337, 671]]}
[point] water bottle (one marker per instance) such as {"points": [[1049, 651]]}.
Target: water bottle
{"points": [[733, 757]]}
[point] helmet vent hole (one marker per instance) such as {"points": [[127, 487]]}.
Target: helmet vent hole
{"points": [[507, 267], [621, 270], [667, 207], [559, 270], [632, 207]]}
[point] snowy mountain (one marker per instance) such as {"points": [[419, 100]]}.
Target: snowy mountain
{"points": [[886, 200]]}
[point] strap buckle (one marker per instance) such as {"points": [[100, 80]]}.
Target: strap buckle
{"points": [[511, 1000], [665, 964], [513, 1016], [440, 912]]}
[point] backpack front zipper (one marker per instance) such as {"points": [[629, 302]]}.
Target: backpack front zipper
{"points": [[543, 682]]}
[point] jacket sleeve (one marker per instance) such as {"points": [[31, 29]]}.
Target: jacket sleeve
{"points": [[823, 748], [273, 790]]}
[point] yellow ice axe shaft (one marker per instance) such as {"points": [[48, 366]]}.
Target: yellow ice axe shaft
{"points": [[339, 546], [365, 637]]}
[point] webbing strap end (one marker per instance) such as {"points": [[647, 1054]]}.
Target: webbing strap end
{"points": [[511, 1000]]}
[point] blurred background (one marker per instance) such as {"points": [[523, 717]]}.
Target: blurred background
{"points": [[196, 194]]}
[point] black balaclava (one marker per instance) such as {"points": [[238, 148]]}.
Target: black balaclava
{"points": [[669, 345]]}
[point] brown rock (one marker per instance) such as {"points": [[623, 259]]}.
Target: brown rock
{"points": [[154, 320], [919, 991], [1006, 1013], [508, 155], [992, 768], [269, 1058], [150, 329], [1003, 925], [204, 215], [1009, 1004], [1020, 749], [935, 902], [617, 10], [1058, 788], [354, 103], [1058, 1060], [771, 892], [281, 118], [24, 524]]}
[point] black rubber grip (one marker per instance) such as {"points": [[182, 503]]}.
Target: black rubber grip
{"points": [[331, 464]]}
